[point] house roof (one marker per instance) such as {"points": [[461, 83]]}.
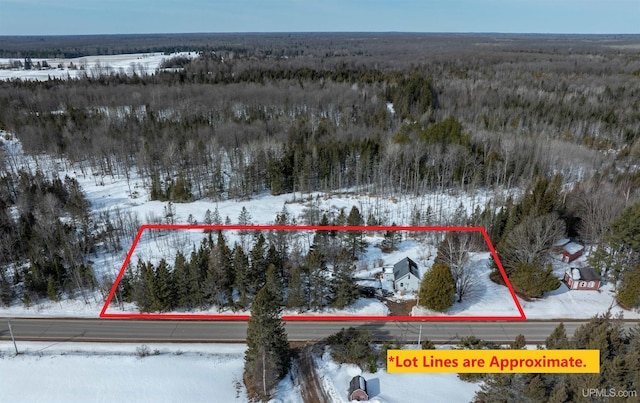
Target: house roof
{"points": [[404, 267], [357, 382], [572, 248], [588, 274]]}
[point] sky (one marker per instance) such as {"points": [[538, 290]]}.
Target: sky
{"points": [[71, 17]]}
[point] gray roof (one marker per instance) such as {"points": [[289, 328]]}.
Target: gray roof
{"points": [[403, 267], [588, 274], [357, 382]]}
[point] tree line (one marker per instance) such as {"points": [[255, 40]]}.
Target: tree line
{"points": [[229, 277], [46, 236]]}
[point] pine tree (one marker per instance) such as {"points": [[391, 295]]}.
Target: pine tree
{"points": [[181, 279], [295, 292], [258, 273], [532, 280], [437, 289], [345, 291], [391, 240], [208, 220], [219, 279], [317, 280], [557, 340], [144, 288], [197, 271], [164, 289], [354, 238], [52, 290], [180, 190], [268, 358], [629, 290], [274, 285], [6, 291], [244, 219], [241, 273]]}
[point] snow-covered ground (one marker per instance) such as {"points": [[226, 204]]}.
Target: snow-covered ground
{"points": [[101, 372], [140, 63], [105, 372], [402, 387], [107, 193]]}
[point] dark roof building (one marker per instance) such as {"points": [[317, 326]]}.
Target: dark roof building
{"points": [[358, 389], [582, 278], [404, 267]]}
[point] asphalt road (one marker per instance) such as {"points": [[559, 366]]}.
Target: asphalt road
{"points": [[116, 330]]}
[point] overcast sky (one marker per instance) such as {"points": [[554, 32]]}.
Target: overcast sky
{"points": [[57, 17]]}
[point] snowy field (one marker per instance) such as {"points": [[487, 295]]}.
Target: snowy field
{"points": [[96, 372], [140, 63], [104, 372], [401, 388], [111, 193]]}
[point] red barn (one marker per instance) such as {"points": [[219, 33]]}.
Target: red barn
{"points": [[582, 279]]}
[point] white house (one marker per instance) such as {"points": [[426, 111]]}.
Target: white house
{"points": [[404, 275]]}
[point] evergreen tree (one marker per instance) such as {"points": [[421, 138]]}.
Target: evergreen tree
{"points": [[241, 275], [219, 279], [144, 288], [355, 238], [197, 271], [317, 289], [180, 190], [532, 280], [164, 290], [268, 358], [258, 273], [208, 220], [6, 291], [216, 219], [274, 285], [295, 292], [182, 281], [620, 255], [52, 290], [345, 291], [244, 219], [391, 240], [437, 289], [557, 340], [629, 291]]}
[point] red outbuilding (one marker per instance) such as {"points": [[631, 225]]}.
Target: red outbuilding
{"points": [[583, 278]]}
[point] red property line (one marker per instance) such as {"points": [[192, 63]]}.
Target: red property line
{"points": [[104, 314]]}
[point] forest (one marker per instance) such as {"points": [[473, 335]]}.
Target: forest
{"points": [[551, 121], [555, 117]]}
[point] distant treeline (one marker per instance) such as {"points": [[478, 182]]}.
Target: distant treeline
{"points": [[405, 46]]}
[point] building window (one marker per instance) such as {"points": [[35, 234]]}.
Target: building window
{"points": [[401, 285]]}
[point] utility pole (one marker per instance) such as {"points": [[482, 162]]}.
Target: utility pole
{"points": [[13, 338]]}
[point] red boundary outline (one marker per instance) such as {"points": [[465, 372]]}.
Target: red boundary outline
{"points": [[104, 314]]}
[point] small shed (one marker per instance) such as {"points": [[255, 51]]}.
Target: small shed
{"points": [[583, 278], [569, 250], [358, 389]]}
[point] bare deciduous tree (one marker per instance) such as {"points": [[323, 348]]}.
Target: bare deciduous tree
{"points": [[531, 240], [454, 251]]}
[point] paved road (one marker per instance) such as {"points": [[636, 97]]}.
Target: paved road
{"points": [[233, 331]]}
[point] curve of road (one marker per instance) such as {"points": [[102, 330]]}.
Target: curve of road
{"points": [[149, 331]]}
